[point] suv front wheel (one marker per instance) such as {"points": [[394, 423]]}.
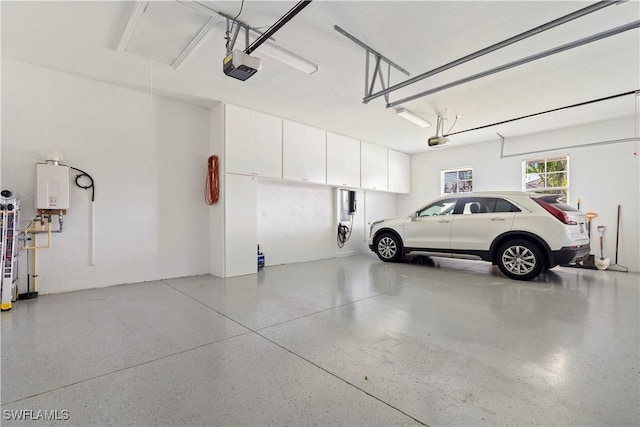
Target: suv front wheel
{"points": [[388, 248], [520, 260]]}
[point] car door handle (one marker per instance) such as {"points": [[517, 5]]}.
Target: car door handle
{"points": [[444, 221], [497, 219]]}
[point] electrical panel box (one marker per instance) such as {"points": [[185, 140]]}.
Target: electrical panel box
{"points": [[52, 186]]}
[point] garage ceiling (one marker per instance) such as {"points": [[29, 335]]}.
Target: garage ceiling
{"points": [[81, 38]]}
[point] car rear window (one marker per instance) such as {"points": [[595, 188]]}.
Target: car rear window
{"points": [[553, 200], [502, 205], [485, 205]]}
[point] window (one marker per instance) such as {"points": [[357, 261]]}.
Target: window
{"points": [[547, 176], [443, 207], [456, 181], [476, 205]]}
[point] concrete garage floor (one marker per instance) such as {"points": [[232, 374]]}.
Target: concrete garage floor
{"points": [[340, 341]]}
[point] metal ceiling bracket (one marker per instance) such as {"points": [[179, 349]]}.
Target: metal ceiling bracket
{"points": [[549, 25], [377, 71], [531, 58], [232, 41]]}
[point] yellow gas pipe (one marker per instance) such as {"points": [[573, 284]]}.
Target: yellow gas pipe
{"points": [[35, 231]]}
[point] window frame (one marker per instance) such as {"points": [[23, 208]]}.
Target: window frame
{"points": [[548, 190], [458, 180]]}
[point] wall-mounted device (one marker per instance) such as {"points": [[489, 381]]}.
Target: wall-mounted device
{"points": [[348, 204], [52, 186], [347, 207], [240, 65]]}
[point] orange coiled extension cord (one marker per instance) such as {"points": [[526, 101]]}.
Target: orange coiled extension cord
{"points": [[212, 188]]}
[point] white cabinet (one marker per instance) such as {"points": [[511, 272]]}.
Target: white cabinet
{"points": [[373, 166], [253, 143], [304, 153], [240, 224], [399, 172], [343, 161], [268, 154]]}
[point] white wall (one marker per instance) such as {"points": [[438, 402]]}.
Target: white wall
{"points": [[147, 155], [602, 176], [298, 222]]}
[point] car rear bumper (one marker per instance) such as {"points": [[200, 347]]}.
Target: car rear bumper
{"points": [[570, 255]]}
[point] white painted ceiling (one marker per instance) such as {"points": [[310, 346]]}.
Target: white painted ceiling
{"points": [[81, 37]]}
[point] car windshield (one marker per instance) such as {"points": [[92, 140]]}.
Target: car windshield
{"points": [[443, 207]]}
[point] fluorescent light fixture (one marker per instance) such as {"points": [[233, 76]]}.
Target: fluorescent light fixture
{"points": [[286, 57], [408, 115], [132, 24]]}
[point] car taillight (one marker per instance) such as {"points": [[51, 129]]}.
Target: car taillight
{"points": [[558, 213]]}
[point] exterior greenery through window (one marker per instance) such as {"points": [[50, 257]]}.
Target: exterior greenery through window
{"points": [[456, 181], [547, 176]]}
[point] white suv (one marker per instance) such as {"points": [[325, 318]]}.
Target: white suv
{"points": [[522, 233]]}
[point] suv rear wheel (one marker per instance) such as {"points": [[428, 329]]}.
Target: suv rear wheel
{"points": [[388, 248], [520, 260]]}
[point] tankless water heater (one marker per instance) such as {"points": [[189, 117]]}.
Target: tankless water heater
{"points": [[52, 186]]}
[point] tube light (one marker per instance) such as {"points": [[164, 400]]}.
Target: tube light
{"points": [[408, 115], [286, 57]]}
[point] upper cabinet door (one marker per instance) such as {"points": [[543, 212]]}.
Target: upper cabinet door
{"points": [[373, 166], [240, 130], [343, 161], [268, 147], [253, 143], [399, 172], [304, 153]]}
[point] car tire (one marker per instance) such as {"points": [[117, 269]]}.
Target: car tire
{"points": [[520, 260], [388, 247]]}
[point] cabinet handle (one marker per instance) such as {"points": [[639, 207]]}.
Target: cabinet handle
{"points": [[305, 179]]}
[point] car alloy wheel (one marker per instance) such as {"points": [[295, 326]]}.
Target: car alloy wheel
{"points": [[520, 260], [388, 248]]}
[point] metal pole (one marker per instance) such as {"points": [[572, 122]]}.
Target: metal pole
{"points": [[552, 24], [375, 74], [577, 43], [275, 27], [364, 46]]}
